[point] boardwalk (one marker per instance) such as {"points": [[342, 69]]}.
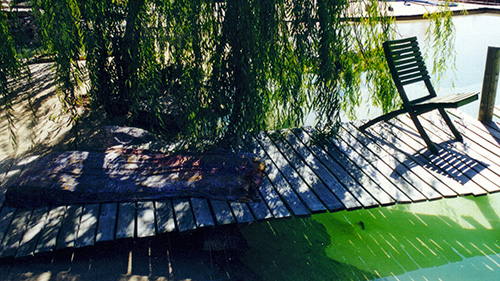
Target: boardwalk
{"points": [[388, 165]]}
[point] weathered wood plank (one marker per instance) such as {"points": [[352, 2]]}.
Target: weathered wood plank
{"points": [[337, 167], [33, 233], [270, 204], [202, 213], [15, 233], [17, 167], [165, 220], [471, 170], [309, 159], [393, 183], [6, 217], [475, 140], [223, 214], [325, 195], [390, 139], [458, 182], [486, 136], [51, 229], [443, 163], [106, 224], [260, 209], [241, 212], [88, 226], [125, 226], [296, 182], [481, 148], [146, 225], [15, 170], [5, 166], [272, 199], [364, 170], [477, 168], [279, 183], [183, 214], [413, 185], [69, 229]]}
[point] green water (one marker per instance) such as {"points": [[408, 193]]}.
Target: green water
{"points": [[436, 240]]}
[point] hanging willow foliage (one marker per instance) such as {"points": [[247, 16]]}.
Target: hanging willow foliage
{"points": [[10, 68], [222, 68]]}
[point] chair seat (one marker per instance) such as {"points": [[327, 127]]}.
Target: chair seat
{"points": [[448, 101]]}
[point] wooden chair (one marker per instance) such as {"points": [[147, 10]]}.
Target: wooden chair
{"points": [[407, 67]]}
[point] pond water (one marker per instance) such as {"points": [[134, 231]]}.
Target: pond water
{"points": [[448, 239]]}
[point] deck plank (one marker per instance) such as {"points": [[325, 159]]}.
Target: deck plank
{"points": [[395, 185], [296, 182], [290, 198], [272, 200], [349, 165], [437, 163], [260, 209], [355, 152], [202, 213], [6, 217], [489, 132], [274, 206], [338, 170], [241, 212], [15, 233], [386, 137], [34, 230], [88, 226], [324, 194], [146, 225], [106, 225], [125, 226], [484, 138], [48, 237], [69, 229], [413, 185], [309, 159], [222, 211], [184, 215], [478, 166], [165, 221], [446, 162]]}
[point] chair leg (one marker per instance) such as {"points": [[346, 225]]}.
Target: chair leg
{"points": [[430, 145], [452, 127], [384, 117]]}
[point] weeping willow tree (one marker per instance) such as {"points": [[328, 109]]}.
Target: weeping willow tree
{"points": [[9, 69], [225, 67]]}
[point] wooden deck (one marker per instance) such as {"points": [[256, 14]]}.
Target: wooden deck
{"points": [[388, 165]]}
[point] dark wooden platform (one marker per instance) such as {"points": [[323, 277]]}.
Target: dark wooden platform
{"points": [[388, 165]]}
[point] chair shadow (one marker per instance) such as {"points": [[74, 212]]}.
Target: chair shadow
{"points": [[451, 162]]}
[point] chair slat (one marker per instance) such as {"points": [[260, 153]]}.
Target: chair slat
{"points": [[408, 63], [420, 70], [419, 79]]}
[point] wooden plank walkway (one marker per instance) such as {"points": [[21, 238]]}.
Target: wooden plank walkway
{"points": [[388, 165]]}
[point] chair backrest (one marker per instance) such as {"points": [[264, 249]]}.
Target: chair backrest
{"points": [[407, 66]]}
